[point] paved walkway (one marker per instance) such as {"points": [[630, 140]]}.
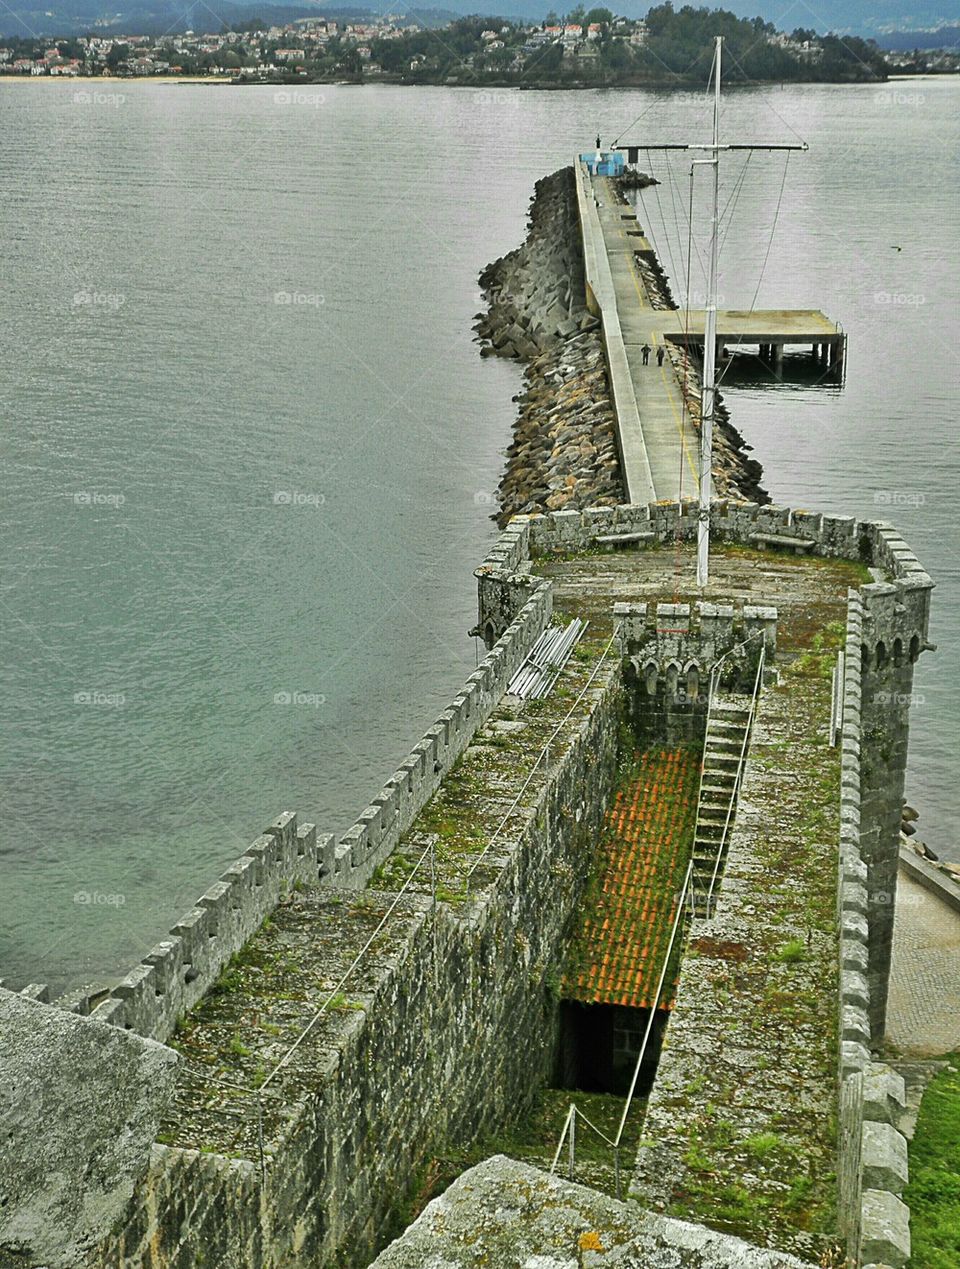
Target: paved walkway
{"points": [[667, 431], [923, 1009]]}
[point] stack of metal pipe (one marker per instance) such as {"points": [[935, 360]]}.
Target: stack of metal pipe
{"points": [[549, 655]]}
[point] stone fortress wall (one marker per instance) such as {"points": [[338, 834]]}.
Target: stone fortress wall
{"points": [[249, 1217], [457, 1030], [178, 971], [887, 629]]}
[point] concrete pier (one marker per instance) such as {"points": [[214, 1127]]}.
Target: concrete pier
{"points": [[769, 330], [658, 441]]}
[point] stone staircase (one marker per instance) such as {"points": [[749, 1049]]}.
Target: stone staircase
{"points": [[727, 726]]}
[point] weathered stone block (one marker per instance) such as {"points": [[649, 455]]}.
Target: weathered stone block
{"points": [[854, 989], [855, 1025], [853, 897], [884, 1093], [80, 1105], [884, 1157], [884, 1229], [853, 1057]]}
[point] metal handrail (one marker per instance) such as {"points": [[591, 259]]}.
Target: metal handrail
{"points": [[711, 690], [739, 775]]}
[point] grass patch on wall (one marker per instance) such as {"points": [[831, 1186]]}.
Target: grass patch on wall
{"points": [[933, 1193]]}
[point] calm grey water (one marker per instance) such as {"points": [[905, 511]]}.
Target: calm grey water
{"points": [[249, 446]]}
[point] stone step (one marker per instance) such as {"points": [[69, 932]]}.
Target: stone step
{"points": [[716, 802], [729, 709], [712, 815]]}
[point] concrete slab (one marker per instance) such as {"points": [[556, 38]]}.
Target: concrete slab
{"points": [[780, 325], [922, 1015], [658, 425], [507, 1215]]}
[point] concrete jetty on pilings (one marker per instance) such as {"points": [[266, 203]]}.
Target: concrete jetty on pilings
{"points": [[770, 331]]}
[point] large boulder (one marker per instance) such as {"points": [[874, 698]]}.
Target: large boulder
{"points": [[80, 1105]]}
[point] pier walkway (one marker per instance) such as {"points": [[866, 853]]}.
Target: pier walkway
{"points": [[655, 432], [659, 443]]}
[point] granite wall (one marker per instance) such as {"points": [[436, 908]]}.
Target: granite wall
{"points": [[456, 1033], [872, 1163], [178, 971]]}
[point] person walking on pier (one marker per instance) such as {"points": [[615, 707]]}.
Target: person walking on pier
{"points": [[645, 353], [660, 354]]}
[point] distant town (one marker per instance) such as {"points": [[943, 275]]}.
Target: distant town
{"points": [[581, 49]]}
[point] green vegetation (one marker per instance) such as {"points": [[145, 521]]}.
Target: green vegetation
{"points": [[762, 1144], [933, 1193], [534, 1136], [462, 819], [341, 1004], [791, 952]]}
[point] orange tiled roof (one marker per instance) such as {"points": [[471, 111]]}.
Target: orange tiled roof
{"points": [[625, 921]]}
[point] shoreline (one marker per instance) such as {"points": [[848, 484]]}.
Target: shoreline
{"points": [[115, 79], [484, 85]]}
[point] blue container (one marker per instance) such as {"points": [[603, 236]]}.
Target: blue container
{"points": [[611, 162]]}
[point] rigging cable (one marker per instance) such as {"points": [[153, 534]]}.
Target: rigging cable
{"points": [[684, 391], [734, 199], [766, 257], [663, 222], [756, 83], [641, 115]]}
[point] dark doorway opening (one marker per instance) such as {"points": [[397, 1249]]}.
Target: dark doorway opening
{"points": [[599, 1046]]}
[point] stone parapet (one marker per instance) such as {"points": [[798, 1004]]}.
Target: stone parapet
{"points": [[872, 1166]]}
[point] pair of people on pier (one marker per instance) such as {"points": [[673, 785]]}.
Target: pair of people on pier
{"points": [[645, 353]]}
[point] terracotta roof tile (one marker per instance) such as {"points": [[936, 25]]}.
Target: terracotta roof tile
{"points": [[624, 924]]}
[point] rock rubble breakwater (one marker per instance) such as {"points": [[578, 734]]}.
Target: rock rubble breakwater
{"points": [[563, 454], [564, 449]]}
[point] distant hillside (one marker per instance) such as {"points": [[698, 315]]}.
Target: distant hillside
{"points": [[947, 37], [879, 19], [869, 18], [156, 17]]}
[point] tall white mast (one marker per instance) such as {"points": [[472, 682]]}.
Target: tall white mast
{"points": [[708, 396]]}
